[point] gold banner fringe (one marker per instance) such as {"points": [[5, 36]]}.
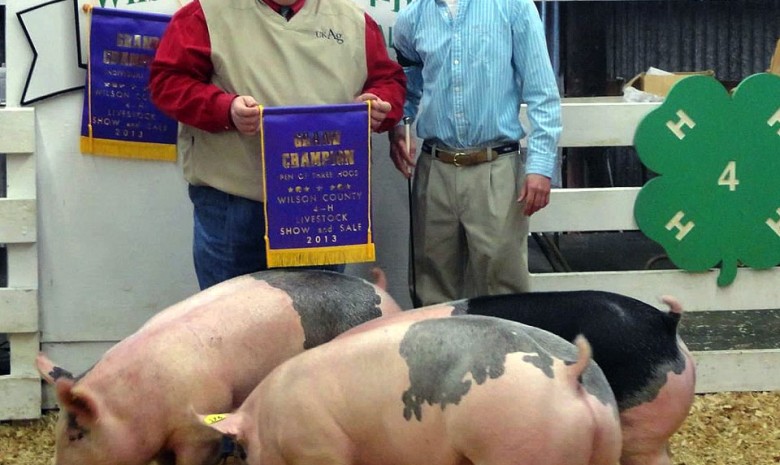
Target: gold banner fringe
{"points": [[124, 149], [321, 256]]}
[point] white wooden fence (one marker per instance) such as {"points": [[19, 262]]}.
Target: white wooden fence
{"points": [[593, 122], [20, 391], [608, 121]]}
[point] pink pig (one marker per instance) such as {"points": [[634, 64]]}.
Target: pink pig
{"points": [[646, 363], [207, 353], [451, 391]]}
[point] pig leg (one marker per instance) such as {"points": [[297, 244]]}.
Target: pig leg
{"points": [[562, 444], [568, 427], [197, 455], [195, 446], [325, 444], [648, 427], [550, 452], [307, 455]]}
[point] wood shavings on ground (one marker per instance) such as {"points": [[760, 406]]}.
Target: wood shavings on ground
{"points": [[730, 429], [722, 429], [28, 442]]}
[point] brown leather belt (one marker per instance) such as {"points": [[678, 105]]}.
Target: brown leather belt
{"points": [[468, 157]]}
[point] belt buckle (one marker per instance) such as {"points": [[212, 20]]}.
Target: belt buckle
{"points": [[455, 157]]}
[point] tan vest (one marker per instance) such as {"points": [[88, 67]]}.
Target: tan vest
{"points": [[319, 57]]}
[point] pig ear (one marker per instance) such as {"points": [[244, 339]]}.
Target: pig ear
{"points": [[226, 423], [49, 371], [79, 404]]}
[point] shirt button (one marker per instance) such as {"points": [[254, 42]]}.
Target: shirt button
{"points": [[456, 62]]}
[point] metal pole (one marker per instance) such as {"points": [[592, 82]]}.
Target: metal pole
{"points": [[412, 278]]}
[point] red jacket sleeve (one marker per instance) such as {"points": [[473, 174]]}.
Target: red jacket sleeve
{"points": [[180, 74], [386, 78]]}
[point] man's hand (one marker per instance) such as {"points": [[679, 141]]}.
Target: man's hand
{"points": [[403, 156], [535, 193], [245, 114], [379, 109]]}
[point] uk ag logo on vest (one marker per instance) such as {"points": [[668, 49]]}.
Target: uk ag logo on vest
{"points": [[330, 35]]}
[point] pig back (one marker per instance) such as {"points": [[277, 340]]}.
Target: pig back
{"points": [[482, 344], [260, 319], [330, 303], [635, 344]]}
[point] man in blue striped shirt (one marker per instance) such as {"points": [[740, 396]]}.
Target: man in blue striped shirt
{"points": [[470, 64]]}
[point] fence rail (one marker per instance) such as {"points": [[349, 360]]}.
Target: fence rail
{"points": [[608, 121], [20, 390]]}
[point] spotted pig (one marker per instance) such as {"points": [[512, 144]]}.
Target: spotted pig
{"points": [[450, 391], [205, 353], [648, 366]]}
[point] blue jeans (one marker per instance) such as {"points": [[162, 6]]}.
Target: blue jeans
{"points": [[228, 239]]}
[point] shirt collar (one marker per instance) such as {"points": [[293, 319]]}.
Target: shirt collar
{"points": [[276, 7]]}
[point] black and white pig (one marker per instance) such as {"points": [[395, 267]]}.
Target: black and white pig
{"points": [[207, 353], [648, 366], [449, 391]]}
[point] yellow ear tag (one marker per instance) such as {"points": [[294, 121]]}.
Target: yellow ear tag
{"points": [[215, 418]]}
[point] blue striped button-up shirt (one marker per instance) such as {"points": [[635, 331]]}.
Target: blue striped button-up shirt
{"points": [[469, 74]]}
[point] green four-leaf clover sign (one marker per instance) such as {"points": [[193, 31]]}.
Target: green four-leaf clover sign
{"points": [[717, 196]]}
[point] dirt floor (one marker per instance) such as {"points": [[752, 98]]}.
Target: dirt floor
{"points": [[723, 429]]}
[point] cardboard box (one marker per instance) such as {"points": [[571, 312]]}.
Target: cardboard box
{"points": [[774, 66], [659, 84]]}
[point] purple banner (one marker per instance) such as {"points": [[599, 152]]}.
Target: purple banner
{"points": [[117, 108], [317, 178]]}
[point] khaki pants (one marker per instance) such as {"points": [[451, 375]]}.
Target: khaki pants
{"points": [[470, 234]]}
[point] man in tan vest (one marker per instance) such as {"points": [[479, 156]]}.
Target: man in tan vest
{"points": [[217, 61]]}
